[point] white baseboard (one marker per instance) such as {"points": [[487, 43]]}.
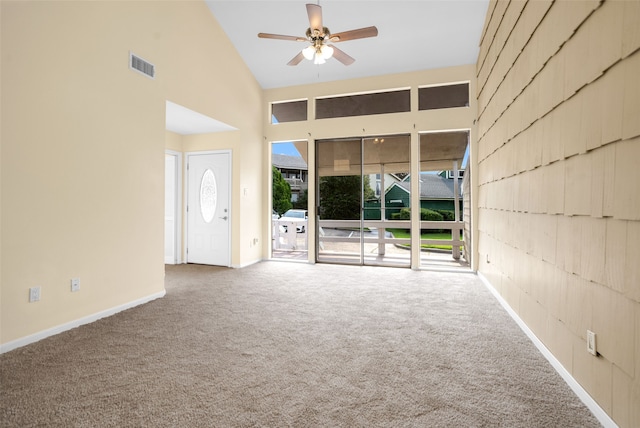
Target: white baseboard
{"points": [[244, 265], [584, 396], [9, 346]]}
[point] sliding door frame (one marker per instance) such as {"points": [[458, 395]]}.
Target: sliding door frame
{"points": [[380, 224]]}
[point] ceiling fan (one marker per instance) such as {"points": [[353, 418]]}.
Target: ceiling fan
{"points": [[319, 36]]}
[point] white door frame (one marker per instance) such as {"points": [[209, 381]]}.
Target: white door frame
{"points": [[178, 206], [230, 187]]}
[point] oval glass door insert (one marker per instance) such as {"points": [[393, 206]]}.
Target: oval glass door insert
{"points": [[208, 196]]}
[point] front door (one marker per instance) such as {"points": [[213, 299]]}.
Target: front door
{"points": [[208, 208]]}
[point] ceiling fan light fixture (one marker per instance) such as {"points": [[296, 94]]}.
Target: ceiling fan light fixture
{"points": [[319, 59], [327, 51], [309, 52]]}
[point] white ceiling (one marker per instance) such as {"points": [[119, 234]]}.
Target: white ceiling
{"points": [[184, 121], [413, 35]]}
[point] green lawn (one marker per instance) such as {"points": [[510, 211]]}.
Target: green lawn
{"points": [[404, 233]]}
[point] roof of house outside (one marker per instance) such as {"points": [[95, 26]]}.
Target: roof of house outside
{"points": [[395, 176], [288, 162], [433, 186]]}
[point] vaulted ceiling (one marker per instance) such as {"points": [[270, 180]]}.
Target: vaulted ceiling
{"points": [[412, 35]]}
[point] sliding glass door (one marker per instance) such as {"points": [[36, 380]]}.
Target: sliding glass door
{"points": [[364, 200], [339, 172], [289, 209], [442, 159]]}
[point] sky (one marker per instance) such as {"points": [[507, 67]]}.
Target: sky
{"points": [[284, 149]]}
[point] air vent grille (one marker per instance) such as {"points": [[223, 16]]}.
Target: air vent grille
{"points": [[140, 65]]}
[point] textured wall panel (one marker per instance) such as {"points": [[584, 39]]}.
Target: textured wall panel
{"points": [[558, 129]]}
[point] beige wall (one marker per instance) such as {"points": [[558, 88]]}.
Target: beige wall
{"points": [[412, 122], [83, 146], [173, 141], [559, 183]]}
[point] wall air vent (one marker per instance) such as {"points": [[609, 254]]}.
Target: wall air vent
{"points": [[141, 66]]}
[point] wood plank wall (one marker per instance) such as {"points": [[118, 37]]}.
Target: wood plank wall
{"points": [[559, 183]]}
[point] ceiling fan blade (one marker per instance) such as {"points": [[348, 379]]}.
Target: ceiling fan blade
{"points": [[281, 37], [296, 59], [315, 17], [341, 56], [360, 33]]}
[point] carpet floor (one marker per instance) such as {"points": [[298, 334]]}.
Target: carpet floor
{"points": [[294, 345]]}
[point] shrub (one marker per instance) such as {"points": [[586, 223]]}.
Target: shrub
{"points": [[448, 215], [404, 214], [430, 215], [425, 215]]}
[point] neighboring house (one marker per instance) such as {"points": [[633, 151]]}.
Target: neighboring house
{"points": [[436, 193], [294, 171], [375, 182]]}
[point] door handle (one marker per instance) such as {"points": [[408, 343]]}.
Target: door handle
{"points": [[224, 218]]}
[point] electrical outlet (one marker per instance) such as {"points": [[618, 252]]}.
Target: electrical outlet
{"points": [[591, 343], [75, 284], [34, 294]]}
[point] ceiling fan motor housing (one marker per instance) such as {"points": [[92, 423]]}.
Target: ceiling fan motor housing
{"points": [[316, 34]]}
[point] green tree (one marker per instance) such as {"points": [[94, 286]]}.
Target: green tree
{"points": [[369, 193], [281, 192], [340, 196]]}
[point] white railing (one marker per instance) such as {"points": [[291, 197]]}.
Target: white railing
{"points": [[381, 239], [286, 237], [454, 226]]}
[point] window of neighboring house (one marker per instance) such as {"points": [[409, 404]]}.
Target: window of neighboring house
{"points": [[444, 96], [450, 174], [289, 111], [396, 101]]}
